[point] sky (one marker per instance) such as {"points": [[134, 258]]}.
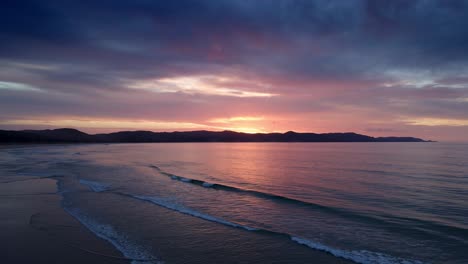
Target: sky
{"points": [[381, 68]]}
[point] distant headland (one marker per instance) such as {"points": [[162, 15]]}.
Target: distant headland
{"points": [[68, 135]]}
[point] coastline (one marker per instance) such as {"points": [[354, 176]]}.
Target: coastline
{"points": [[123, 201], [35, 229]]}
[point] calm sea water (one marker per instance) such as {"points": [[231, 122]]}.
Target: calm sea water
{"points": [[239, 202]]}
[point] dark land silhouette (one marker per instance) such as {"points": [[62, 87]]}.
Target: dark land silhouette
{"points": [[68, 135]]}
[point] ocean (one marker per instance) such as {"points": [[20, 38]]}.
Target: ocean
{"points": [[262, 202]]}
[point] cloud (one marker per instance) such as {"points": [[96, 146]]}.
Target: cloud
{"points": [[236, 119], [17, 86], [209, 85], [436, 122], [106, 124], [306, 64]]}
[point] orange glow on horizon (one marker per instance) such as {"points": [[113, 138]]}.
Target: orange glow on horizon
{"points": [[116, 125]]}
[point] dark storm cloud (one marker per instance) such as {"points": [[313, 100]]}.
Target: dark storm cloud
{"points": [[323, 39]]}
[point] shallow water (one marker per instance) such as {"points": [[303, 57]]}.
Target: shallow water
{"points": [[365, 202]]}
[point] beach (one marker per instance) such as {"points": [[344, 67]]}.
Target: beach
{"points": [[35, 229], [201, 203], [234, 132]]}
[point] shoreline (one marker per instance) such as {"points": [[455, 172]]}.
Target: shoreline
{"points": [[36, 229], [47, 209]]}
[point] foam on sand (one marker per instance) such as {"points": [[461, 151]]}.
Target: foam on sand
{"points": [[132, 251], [357, 256], [95, 186]]}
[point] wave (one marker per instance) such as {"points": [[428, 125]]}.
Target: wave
{"points": [[132, 251], [181, 209], [139, 255], [95, 186], [260, 194], [380, 220], [357, 256]]}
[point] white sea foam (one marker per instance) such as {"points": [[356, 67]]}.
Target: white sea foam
{"points": [[358, 256], [185, 179], [95, 186], [188, 211], [207, 184], [130, 250]]}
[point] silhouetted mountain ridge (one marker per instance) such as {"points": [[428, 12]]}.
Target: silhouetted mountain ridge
{"points": [[69, 135]]}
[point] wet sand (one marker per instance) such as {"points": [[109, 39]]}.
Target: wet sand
{"points": [[35, 229]]}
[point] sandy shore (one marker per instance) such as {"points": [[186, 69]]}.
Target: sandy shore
{"points": [[35, 229]]}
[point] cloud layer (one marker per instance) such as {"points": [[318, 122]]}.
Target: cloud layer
{"points": [[376, 67]]}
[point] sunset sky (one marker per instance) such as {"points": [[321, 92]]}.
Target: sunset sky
{"points": [[381, 68]]}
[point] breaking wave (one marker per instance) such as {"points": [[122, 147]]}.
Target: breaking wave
{"points": [[358, 256], [132, 251], [95, 186]]}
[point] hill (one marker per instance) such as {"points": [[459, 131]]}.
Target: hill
{"points": [[68, 135]]}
